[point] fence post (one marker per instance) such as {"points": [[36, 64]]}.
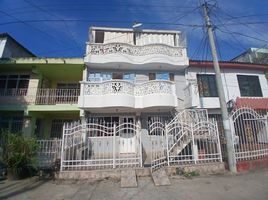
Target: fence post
{"points": [[195, 150], [218, 138], [232, 128], [166, 135], [266, 128], [114, 137], [138, 133], [62, 146]]}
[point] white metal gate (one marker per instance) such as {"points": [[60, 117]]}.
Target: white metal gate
{"points": [[250, 134], [190, 138], [96, 146]]}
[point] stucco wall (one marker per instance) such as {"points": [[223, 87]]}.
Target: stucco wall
{"points": [[230, 84]]}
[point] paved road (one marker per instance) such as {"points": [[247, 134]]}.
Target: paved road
{"points": [[249, 186]]}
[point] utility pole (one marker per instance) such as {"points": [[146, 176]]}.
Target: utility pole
{"points": [[225, 118]]}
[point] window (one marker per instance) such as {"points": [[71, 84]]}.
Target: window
{"points": [[249, 86], [57, 127], [207, 85], [151, 76], [68, 86], [171, 77], [99, 36], [129, 77], [117, 75], [161, 76], [106, 76], [12, 124], [14, 85]]}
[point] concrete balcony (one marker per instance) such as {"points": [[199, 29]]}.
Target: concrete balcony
{"points": [[120, 93], [123, 54]]}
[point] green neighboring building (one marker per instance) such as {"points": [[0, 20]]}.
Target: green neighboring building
{"points": [[37, 95]]}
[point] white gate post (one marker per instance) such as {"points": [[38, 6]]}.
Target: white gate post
{"points": [[62, 146], [233, 136], [166, 135], [114, 137], [138, 135], [194, 146], [266, 128]]}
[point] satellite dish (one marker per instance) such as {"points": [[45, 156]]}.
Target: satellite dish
{"points": [[137, 25]]}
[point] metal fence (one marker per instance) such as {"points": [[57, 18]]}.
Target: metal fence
{"points": [[48, 96], [250, 134], [95, 146], [49, 152], [185, 140]]}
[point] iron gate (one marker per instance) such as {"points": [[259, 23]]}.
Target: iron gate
{"points": [[250, 134], [190, 138], [97, 146]]}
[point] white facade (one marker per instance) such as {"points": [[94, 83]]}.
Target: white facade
{"points": [[128, 48], [230, 85], [133, 72]]}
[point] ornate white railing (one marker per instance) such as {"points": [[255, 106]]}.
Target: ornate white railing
{"points": [[152, 87], [123, 48], [126, 87], [108, 87]]}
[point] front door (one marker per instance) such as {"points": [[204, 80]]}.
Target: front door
{"points": [[128, 136]]}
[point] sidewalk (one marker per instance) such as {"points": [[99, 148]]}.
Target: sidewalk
{"points": [[253, 185]]}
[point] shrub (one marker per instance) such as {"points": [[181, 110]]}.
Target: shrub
{"points": [[19, 154]]}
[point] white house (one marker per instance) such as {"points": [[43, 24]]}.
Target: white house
{"points": [[133, 74], [240, 80]]}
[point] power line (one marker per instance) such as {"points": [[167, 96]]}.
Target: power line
{"points": [[247, 36], [67, 28], [97, 21], [29, 25]]}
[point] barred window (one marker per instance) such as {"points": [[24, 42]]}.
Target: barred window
{"points": [[249, 86], [207, 85]]}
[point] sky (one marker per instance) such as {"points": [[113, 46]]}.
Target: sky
{"points": [[59, 28]]}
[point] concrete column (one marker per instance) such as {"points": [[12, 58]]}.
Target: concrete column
{"points": [[47, 127], [27, 127]]}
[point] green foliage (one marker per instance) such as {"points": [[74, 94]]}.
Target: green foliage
{"points": [[19, 153], [191, 174]]}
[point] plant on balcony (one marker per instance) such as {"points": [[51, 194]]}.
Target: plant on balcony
{"points": [[18, 155]]}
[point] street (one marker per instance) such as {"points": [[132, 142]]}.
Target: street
{"points": [[252, 185]]}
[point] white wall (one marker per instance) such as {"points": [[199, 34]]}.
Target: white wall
{"points": [[2, 46], [230, 84]]}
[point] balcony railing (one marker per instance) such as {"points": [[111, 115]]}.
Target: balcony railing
{"points": [[41, 96], [126, 87], [13, 92], [57, 96], [132, 50], [108, 87]]}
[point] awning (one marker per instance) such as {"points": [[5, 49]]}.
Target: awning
{"points": [[252, 102]]}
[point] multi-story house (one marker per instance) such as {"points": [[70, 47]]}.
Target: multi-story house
{"points": [[133, 75], [240, 81], [129, 78], [38, 94], [244, 84]]}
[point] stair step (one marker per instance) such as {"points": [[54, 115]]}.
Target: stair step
{"points": [[160, 177], [128, 178]]}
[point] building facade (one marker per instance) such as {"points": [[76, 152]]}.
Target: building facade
{"points": [[133, 75], [38, 95], [134, 99]]}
